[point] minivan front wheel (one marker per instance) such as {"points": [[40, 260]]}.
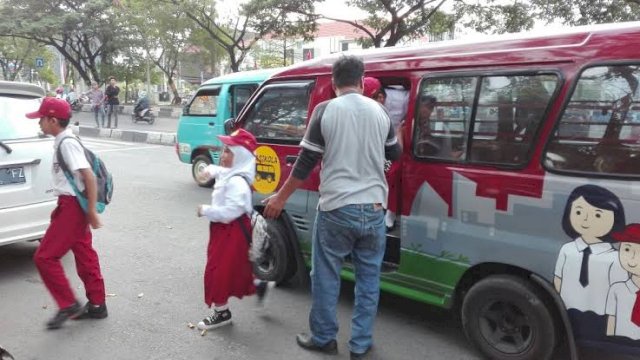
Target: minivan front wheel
{"points": [[506, 318], [198, 165]]}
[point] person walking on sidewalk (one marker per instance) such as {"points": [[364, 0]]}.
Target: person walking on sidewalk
{"points": [[353, 195], [228, 271], [69, 228], [97, 102], [111, 92]]}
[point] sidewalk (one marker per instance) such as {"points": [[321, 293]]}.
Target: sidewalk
{"points": [[161, 132]]}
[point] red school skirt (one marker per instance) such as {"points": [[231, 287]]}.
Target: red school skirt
{"points": [[228, 271]]}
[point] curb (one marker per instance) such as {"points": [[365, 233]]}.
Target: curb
{"points": [[149, 137], [161, 111]]}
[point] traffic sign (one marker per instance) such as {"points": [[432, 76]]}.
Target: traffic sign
{"points": [[39, 62]]}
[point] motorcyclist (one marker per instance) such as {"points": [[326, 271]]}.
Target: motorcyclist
{"points": [[142, 105]]}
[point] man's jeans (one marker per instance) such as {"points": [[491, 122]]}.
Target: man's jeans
{"points": [[112, 109], [357, 230], [98, 109]]}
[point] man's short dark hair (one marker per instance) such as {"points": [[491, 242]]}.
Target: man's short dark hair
{"points": [[347, 71], [112, 78], [64, 123], [428, 100]]}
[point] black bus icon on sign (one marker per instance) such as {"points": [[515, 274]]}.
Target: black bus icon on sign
{"points": [[265, 172]]}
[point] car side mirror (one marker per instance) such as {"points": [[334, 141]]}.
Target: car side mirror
{"points": [[229, 125]]}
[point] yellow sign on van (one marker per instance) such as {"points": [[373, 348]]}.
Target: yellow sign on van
{"points": [[267, 170]]}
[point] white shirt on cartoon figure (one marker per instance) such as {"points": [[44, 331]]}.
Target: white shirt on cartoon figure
{"points": [[620, 303], [75, 159], [604, 270]]}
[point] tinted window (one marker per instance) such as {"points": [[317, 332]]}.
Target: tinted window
{"points": [[13, 123], [442, 117], [503, 114], [239, 98], [205, 102], [280, 113], [599, 131]]}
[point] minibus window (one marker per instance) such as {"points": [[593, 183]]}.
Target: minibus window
{"points": [[509, 112], [280, 113], [205, 102], [442, 117], [240, 94], [599, 131]]}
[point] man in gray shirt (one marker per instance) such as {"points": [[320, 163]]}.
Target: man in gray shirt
{"points": [[353, 136]]}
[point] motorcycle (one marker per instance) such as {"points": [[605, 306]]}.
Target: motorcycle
{"points": [[143, 115], [76, 105]]}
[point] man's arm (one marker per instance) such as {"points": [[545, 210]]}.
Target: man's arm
{"points": [[91, 189], [392, 148], [312, 148]]}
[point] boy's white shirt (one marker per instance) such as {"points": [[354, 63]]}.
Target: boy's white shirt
{"points": [[231, 195], [74, 157]]}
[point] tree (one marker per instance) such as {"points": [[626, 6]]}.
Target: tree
{"points": [[493, 16], [164, 32], [584, 12], [390, 21], [238, 33], [83, 31], [15, 53]]}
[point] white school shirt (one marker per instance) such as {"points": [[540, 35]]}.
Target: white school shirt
{"points": [[604, 270], [75, 158], [230, 198], [620, 302]]}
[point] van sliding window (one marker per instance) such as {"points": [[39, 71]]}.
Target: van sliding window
{"points": [[483, 119], [205, 102], [599, 131]]}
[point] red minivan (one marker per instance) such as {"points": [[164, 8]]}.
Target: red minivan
{"points": [[518, 192]]}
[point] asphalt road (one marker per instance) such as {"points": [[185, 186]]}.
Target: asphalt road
{"points": [[152, 250]]}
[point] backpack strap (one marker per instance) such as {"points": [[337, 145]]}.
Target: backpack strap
{"points": [[65, 168], [243, 227]]}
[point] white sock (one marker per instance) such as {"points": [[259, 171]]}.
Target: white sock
{"points": [[389, 218], [221, 308]]}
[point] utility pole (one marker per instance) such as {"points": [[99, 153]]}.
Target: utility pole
{"points": [[151, 98]]}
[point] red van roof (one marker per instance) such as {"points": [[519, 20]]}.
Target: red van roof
{"points": [[594, 41]]}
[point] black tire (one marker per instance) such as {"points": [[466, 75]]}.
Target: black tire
{"points": [[199, 162], [506, 318], [276, 263], [152, 119]]}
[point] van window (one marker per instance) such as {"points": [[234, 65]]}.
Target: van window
{"points": [[599, 131], [240, 94], [503, 111], [205, 102], [280, 112]]}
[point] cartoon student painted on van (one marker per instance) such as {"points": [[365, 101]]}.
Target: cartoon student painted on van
{"points": [[623, 301], [588, 265]]}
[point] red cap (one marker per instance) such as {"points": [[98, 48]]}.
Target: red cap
{"points": [[371, 86], [53, 107], [630, 234], [240, 137]]}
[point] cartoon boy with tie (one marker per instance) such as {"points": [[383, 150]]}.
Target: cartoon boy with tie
{"points": [[623, 301]]}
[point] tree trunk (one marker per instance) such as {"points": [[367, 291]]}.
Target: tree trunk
{"points": [[176, 96]]}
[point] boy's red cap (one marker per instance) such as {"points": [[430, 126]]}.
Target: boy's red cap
{"points": [[370, 86], [50, 106], [630, 234], [240, 137]]}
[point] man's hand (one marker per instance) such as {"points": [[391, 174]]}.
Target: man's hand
{"points": [[274, 205], [94, 219], [199, 211]]}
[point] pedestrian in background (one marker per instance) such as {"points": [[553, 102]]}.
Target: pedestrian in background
{"points": [[97, 102], [228, 271], [350, 217], [113, 103], [70, 225]]}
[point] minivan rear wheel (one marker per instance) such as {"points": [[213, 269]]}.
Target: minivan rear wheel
{"points": [[275, 264], [506, 318], [197, 167]]}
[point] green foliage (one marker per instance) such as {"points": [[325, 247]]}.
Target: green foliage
{"points": [[582, 12], [390, 21], [85, 32], [495, 17]]}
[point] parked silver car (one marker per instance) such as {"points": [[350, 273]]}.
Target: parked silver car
{"points": [[26, 195]]}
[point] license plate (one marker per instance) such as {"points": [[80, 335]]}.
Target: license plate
{"points": [[12, 175]]}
